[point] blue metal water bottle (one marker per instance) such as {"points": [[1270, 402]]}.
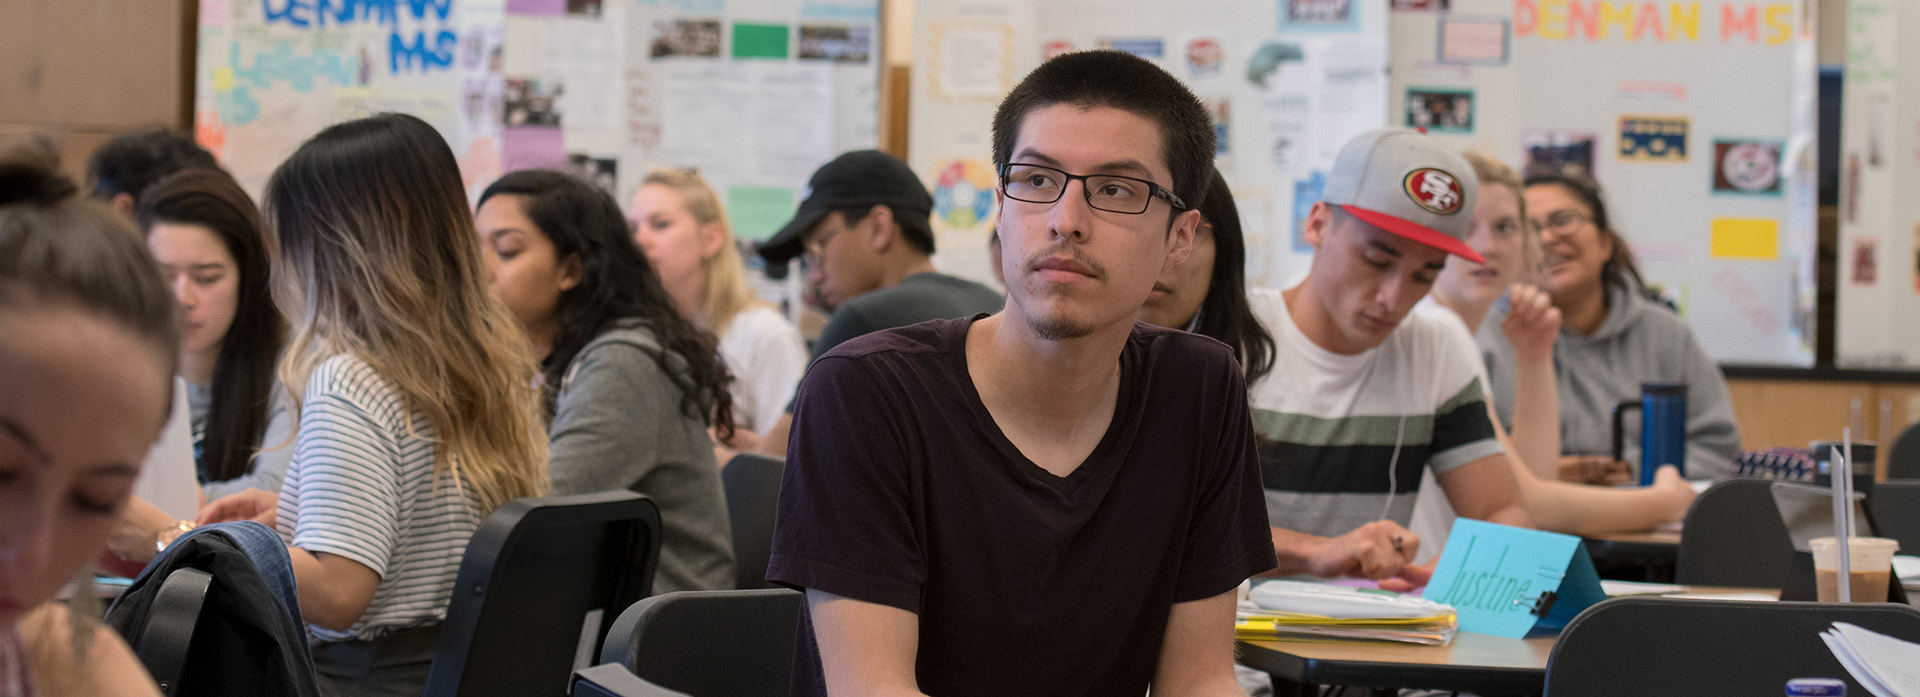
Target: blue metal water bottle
{"points": [[1663, 428]]}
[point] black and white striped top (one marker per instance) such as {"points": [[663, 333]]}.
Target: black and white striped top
{"points": [[362, 486]]}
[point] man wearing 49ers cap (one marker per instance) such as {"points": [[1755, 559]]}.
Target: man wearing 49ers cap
{"points": [[1365, 394]]}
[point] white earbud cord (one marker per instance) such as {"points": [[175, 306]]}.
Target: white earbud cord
{"points": [[1393, 467]]}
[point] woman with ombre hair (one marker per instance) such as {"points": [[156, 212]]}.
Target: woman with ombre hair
{"points": [[413, 388], [679, 224]]}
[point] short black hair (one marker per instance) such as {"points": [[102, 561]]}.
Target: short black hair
{"points": [[130, 163], [1128, 83], [914, 228]]}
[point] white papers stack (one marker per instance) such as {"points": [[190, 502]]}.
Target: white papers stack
{"points": [[1297, 609], [1886, 666], [1908, 569]]}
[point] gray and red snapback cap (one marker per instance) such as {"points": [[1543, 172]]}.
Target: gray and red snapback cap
{"points": [[1409, 184]]}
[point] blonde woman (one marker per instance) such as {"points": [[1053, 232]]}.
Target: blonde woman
{"points": [[681, 227], [413, 388]]}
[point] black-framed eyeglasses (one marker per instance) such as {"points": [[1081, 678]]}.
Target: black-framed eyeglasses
{"points": [[1561, 222], [1107, 192]]}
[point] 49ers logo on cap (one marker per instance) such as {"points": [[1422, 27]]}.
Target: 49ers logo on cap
{"points": [[1434, 190]]}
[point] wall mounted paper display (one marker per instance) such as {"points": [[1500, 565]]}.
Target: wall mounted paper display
{"points": [[1684, 111], [1473, 40], [1150, 48], [1205, 58], [1319, 15], [1419, 5], [1866, 262], [1653, 138], [1749, 167], [1440, 110], [1745, 238], [970, 60], [1880, 152], [1551, 151], [271, 73]]}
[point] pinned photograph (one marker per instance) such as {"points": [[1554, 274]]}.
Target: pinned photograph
{"points": [[1746, 167], [836, 42], [1055, 47], [1653, 138], [1554, 151], [531, 102], [1866, 266], [1220, 108], [600, 171], [1269, 59], [1147, 47], [698, 38], [1316, 11], [1420, 5], [1440, 110], [1205, 57], [589, 8]]}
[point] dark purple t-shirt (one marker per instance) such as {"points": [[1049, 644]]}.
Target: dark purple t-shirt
{"points": [[900, 490]]}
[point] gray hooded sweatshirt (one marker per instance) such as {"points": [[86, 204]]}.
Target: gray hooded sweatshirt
{"points": [[1640, 341]]}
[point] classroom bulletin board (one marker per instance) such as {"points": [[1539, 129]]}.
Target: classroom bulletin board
{"points": [[1696, 117], [271, 73], [755, 94], [1878, 283]]}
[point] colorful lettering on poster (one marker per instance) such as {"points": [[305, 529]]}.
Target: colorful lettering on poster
{"points": [[1654, 22], [278, 65], [415, 50]]}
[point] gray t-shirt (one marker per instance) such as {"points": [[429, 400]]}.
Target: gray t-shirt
{"points": [[917, 298], [617, 424], [276, 442]]}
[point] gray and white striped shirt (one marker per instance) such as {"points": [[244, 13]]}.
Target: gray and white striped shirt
{"points": [[362, 486]]}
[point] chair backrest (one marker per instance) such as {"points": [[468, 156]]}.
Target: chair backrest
{"points": [[168, 635], [1733, 537], [1676, 646], [710, 643], [1903, 461], [1895, 506], [537, 589], [752, 483]]}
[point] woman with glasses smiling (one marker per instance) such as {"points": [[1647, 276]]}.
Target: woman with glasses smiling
{"points": [[1613, 338]]}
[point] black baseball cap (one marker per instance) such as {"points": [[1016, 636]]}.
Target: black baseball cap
{"points": [[858, 178]]}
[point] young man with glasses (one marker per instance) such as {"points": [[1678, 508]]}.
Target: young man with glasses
{"points": [[1364, 394], [863, 231], [1052, 500]]}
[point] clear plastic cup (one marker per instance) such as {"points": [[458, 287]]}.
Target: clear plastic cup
{"points": [[1869, 567]]}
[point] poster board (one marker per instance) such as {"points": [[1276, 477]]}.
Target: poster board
{"points": [[272, 73], [1697, 119], [1877, 284], [1286, 82]]}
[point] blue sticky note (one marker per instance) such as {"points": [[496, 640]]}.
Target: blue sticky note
{"points": [[1495, 577]]}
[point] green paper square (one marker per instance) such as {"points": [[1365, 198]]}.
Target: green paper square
{"points": [[759, 40], [758, 211]]}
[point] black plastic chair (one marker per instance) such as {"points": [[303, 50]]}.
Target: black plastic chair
{"points": [[614, 680], [1903, 461], [1895, 506], [1733, 537], [540, 583], [752, 484], [167, 635], [1675, 646], [710, 643]]}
